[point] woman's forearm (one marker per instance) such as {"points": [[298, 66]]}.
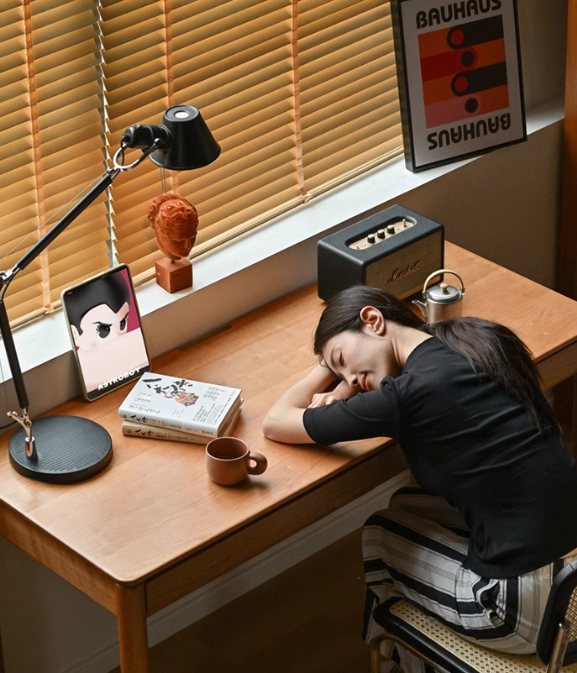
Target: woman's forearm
{"points": [[301, 393], [284, 421]]}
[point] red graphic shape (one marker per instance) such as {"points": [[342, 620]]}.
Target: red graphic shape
{"points": [[448, 63], [444, 73], [461, 84], [458, 37], [450, 111]]}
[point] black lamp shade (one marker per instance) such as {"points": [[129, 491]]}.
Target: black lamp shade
{"points": [[191, 144]]}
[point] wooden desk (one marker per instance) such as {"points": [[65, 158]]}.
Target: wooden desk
{"points": [[152, 528]]}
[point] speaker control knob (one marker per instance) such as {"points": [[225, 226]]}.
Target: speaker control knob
{"points": [[371, 238], [381, 233], [391, 229]]}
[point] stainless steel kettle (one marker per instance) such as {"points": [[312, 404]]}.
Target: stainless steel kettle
{"points": [[441, 301]]}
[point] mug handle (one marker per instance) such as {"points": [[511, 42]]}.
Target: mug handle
{"points": [[260, 463]]}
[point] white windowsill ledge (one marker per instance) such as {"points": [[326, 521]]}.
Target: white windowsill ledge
{"points": [[171, 321]]}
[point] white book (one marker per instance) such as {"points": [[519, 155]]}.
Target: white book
{"points": [[132, 429], [180, 404]]}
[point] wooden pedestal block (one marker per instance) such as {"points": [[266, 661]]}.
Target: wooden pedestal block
{"points": [[174, 276]]}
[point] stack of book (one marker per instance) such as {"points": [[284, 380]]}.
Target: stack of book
{"points": [[180, 410]]}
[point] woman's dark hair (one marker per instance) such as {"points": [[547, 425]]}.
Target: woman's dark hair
{"points": [[489, 347]]}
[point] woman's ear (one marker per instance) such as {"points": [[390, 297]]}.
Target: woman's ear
{"points": [[373, 320]]}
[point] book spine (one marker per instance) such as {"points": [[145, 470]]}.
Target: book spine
{"points": [[176, 424], [131, 429]]}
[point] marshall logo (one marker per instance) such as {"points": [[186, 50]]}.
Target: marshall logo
{"points": [[402, 273]]}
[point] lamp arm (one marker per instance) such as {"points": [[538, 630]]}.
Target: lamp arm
{"points": [[12, 357], [6, 277], [103, 184], [21, 394]]}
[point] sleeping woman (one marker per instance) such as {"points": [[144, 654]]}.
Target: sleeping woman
{"points": [[478, 543]]}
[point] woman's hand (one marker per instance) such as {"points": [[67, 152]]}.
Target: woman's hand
{"points": [[341, 392]]}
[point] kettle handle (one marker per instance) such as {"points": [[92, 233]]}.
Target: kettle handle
{"points": [[436, 273]]}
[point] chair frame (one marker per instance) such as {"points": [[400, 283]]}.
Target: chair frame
{"points": [[553, 646], [376, 657]]}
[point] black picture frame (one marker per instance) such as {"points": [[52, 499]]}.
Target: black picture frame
{"points": [[460, 78]]}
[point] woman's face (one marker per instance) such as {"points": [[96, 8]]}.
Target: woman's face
{"points": [[362, 359], [101, 325]]}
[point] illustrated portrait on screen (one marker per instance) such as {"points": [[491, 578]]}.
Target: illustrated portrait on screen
{"points": [[106, 331]]}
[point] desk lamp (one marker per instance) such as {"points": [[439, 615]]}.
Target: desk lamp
{"points": [[68, 449]]}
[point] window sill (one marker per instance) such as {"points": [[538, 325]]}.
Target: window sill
{"points": [[239, 276]]}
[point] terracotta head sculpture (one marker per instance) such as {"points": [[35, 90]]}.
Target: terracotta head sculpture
{"points": [[175, 222]]}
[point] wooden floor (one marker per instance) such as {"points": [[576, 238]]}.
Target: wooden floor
{"points": [[306, 620]]}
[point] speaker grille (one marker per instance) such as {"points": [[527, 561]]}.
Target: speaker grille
{"points": [[405, 272]]}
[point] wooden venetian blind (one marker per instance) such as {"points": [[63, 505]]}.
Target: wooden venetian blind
{"points": [[51, 145], [349, 106], [300, 94]]}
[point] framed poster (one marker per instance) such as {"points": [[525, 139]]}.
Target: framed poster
{"points": [[460, 84]]}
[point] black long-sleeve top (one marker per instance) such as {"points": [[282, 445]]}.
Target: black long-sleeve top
{"points": [[466, 439]]}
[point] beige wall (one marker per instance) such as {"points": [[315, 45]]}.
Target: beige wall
{"points": [[504, 206]]}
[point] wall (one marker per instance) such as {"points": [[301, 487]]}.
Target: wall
{"points": [[503, 205], [500, 209]]}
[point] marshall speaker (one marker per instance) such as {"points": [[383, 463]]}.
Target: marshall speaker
{"points": [[394, 250]]}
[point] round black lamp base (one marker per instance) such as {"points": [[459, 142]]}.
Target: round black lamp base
{"points": [[70, 449]]}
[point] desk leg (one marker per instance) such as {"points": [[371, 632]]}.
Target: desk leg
{"points": [[132, 633], [2, 669]]}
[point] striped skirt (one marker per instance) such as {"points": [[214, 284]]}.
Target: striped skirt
{"points": [[416, 549]]}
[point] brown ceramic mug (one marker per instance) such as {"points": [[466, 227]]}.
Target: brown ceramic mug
{"points": [[229, 461]]}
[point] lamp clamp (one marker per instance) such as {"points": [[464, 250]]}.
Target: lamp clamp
{"points": [[144, 135], [118, 159], [26, 423]]}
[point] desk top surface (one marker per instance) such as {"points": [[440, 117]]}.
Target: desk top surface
{"points": [[154, 504]]}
